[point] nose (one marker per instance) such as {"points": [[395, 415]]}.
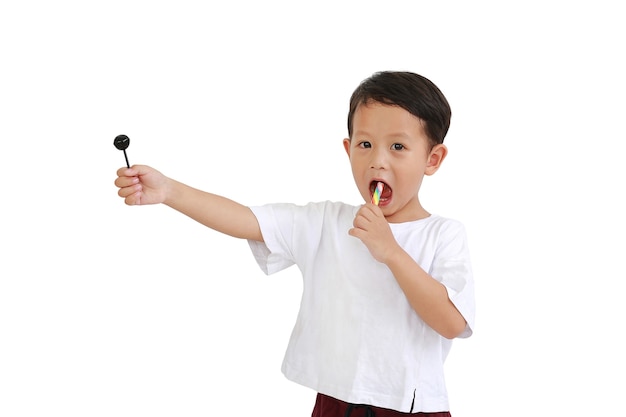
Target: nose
{"points": [[379, 158]]}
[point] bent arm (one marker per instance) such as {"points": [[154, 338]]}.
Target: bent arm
{"points": [[214, 211], [428, 297]]}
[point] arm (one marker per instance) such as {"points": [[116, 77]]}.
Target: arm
{"points": [[427, 296], [141, 185]]}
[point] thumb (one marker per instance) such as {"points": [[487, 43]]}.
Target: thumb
{"points": [[135, 171]]}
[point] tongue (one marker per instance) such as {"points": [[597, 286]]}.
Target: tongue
{"points": [[386, 192]]}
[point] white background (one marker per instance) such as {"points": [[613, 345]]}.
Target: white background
{"points": [[110, 310]]}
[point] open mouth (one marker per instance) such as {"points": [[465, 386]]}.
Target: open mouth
{"points": [[386, 191]]}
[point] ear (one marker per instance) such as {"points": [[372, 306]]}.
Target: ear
{"points": [[346, 145], [435, 158]]}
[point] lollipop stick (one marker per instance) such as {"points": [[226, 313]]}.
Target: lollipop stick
{"points": [[126, 157]]}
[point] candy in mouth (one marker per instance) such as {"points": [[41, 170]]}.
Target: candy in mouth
{"points": [[379, 190]]}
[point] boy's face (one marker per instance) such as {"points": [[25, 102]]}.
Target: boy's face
{"points": [[389, 144]]}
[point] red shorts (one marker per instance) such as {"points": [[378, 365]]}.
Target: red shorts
{"points": [[326, 406]]}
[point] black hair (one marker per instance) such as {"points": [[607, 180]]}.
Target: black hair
{"points": [[412, 92]]}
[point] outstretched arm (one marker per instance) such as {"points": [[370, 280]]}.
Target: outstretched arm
{"points": [[141, 185]]}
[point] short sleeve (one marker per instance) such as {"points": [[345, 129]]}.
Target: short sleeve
{"points": [[273, 254], [452, 267]]}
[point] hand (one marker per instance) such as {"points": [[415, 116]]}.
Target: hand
{"points": [[141, 184], [371, 227]]}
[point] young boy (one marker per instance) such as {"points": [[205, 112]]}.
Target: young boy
{"points": [[387, 285]]}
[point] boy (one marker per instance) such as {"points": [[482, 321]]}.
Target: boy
{"points": [[387, 286]]}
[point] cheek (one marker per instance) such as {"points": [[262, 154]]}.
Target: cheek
{"points": [[356, 164], [410, 180]]}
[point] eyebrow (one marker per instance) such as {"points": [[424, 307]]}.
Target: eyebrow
{"points": [[398, 135]]}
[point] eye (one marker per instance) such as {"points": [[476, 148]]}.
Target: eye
{"points": [[397, 146], [365, 144]]}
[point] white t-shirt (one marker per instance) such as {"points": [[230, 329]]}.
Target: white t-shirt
{"points": [[356, 337]]}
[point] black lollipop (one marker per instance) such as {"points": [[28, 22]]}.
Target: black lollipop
{"points": [[121, 142]]}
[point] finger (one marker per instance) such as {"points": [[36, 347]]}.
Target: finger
{"points": [[366, 213], [133, 199], [372, 209], [127, 191], [127, 172], [358, 222], [126, 181], [362, 223], [355, 232]]}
